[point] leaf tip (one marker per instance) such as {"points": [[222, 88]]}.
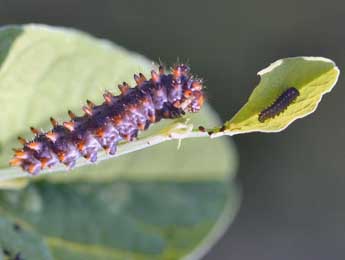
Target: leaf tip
{"points": [[271, 67]]}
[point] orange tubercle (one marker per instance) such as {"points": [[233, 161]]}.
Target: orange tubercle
{"points": [[15, 162], [87, 110], [53, 122], [71, 114], [51, 136], [69, 125], [35, 130], [34, 146]]}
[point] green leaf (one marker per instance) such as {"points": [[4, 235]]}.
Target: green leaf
{"points": [[159, 203], [18, 240], [45, 71], [311, 76], [125, 219]]}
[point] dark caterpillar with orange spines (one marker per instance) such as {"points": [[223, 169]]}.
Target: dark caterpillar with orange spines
{"points": [[281, 103], [118, 118]]}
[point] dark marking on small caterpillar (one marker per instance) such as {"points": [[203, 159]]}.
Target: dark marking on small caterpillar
{"points": [[118, 118], [281, 103]]}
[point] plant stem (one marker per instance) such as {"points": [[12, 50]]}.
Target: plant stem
{"points": [[177, 131]]}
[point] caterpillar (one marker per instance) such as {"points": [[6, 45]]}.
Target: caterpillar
{"points": [[118, 118], [281, 103]]}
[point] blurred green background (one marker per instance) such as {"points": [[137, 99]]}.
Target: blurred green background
{"points": [[293, 182]]}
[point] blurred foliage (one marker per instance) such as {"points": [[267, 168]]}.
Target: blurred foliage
{"points": [[121, 219]]}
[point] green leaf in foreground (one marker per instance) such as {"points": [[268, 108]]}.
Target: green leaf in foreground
{"points": [[124, 219], [158, 203], [312, 76]]}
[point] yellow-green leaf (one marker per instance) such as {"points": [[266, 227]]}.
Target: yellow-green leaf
{"points": [[311, 76]]}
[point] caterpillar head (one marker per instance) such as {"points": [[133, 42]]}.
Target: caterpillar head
{"points": [[193, 96]]}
